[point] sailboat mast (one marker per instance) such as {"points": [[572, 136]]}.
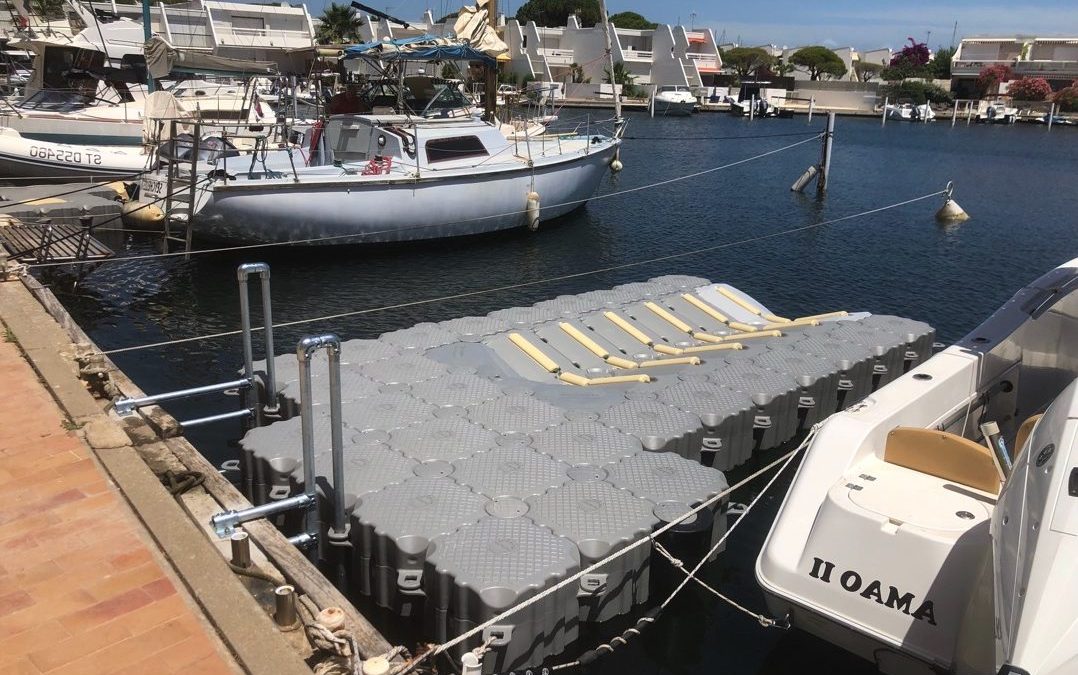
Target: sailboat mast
{"points": [[610, 60], [491, 90], [147, 33]]}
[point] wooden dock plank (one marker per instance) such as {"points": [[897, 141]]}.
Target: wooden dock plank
{"points": [[24, 243]]}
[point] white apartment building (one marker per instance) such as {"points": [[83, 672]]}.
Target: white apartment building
{"points": [[666, 55], [1055, 59]]}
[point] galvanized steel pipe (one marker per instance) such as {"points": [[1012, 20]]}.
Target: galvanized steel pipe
{"points": [[242, 272]]}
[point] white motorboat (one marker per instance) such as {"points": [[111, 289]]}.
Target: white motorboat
{"points": [[908, 112], [29, 157], [996, 112], [908, 537], [382, 178], [673, 100]]}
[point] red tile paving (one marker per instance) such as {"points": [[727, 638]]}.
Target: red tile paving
{"points": [[80, 589]]}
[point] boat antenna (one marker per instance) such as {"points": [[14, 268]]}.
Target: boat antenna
{"points": [[619, 122], [377, 13]]}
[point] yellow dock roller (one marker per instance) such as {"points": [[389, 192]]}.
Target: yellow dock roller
{"points": [[748, 306], [681, 325], [619, 362], [646, 340], [717, 315], [551, 366]]}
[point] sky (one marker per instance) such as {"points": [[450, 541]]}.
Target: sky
{"points": [[865, 24]]}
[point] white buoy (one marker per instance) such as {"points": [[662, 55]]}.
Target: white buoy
{"points": [[615, 164], [951, 212], [533, 211]]}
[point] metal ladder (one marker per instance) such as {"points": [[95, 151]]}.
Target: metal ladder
{"points": [[180, 192]]}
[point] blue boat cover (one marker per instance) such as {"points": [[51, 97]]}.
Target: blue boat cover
{"points": [[419, 48]]}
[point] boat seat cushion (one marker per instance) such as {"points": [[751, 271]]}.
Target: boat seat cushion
{"points": [[1023, 433], [944, 455]]}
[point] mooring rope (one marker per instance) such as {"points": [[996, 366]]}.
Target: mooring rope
{"points": [[650, 539], [526, 284], [359, 237]]}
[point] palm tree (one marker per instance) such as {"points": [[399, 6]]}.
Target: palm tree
{"points": [[339, 24], [622, 76]]}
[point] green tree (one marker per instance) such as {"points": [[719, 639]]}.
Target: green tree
{"points": [[623, 77], [866, 70], [818, 61], [50, 10], [576, 74], [746, 61], [916, 92], [632, 20], [940, 65], [555, 13], [340, 24]]}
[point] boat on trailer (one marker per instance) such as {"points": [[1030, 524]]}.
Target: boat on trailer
{"points": [[933, 527]]}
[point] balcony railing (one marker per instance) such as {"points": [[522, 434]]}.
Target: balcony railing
{"points": [[969, 67], [1051, 67], [637, 54], [261, 37], [557, 56]]}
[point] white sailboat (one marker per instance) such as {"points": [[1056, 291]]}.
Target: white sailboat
{"points": [[383, 178], [908, 537]]}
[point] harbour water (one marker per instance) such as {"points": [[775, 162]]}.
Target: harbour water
{"points": [[1014, 181]]}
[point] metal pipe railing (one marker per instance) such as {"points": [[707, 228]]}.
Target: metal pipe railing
{"points": [[125, 406], [224, 523], [304, 351], [263, 271]]}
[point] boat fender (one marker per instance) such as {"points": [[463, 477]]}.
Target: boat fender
{"points": [[533, 211], [141, 215], [615, 164]]}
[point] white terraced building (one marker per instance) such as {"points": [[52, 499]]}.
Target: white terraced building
{"points": [[1055, 59], [666, 55]]}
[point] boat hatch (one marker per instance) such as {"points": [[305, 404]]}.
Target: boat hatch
{"points": [[454, 147]]}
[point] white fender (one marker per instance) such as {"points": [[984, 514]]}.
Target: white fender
{"points": [[533, 211]]}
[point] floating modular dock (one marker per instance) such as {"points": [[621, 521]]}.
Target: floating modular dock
{"points": [[488, 458]]}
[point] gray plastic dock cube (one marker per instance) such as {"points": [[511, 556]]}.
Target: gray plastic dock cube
{"points": [[660, 427], [601, 519], [586, 443], [442, 440], [392, 529], [483, 569], [515, 471], [727, 416]]}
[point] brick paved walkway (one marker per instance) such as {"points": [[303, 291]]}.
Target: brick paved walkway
{"points": [[80, 589]]}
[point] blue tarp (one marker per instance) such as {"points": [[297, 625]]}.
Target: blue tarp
{"points": [[421, 48]]}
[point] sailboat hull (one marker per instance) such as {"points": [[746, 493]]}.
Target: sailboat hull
{"points": [[366, 211]]}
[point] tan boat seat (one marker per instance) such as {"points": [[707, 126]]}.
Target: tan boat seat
{"points": [[944, 455], [1023, 433]]}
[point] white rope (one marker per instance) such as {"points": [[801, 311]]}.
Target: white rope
{"points": [[360, 236], [445, 646], [691, 576], [525, 284]]}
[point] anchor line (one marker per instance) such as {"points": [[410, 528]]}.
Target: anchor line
{"points": [[359, 237], [784, 461], [535, 282]]}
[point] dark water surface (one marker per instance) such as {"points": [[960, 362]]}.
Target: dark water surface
{"points": [[1019, 183]]}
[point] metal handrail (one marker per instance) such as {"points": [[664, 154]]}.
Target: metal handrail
{"points": [[263, 271]]}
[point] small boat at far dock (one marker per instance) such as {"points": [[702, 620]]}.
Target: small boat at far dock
{"points": [[933, 527], [673, 100], [907, 112]]}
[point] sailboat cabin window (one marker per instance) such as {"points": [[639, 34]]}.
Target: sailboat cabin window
{"points": [[456, 147]]}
